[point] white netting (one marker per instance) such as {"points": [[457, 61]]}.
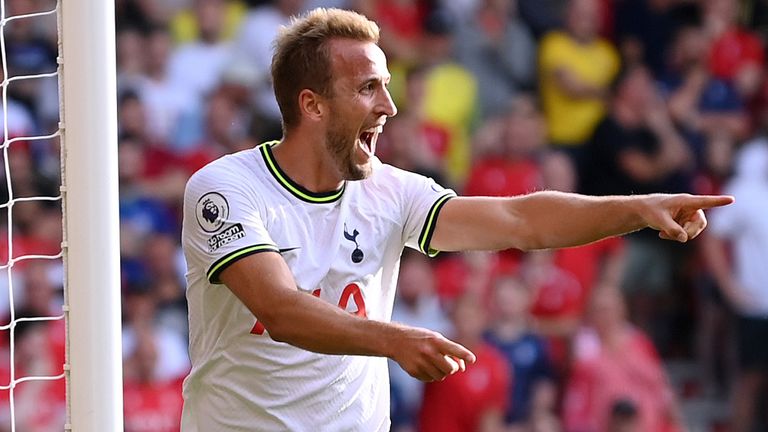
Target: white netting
{"points": [[33, 271]]}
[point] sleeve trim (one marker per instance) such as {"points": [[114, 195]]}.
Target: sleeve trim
{"points": [[429, 225], [222, 263]]}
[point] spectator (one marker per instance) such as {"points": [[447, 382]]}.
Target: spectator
{"points": [[141, 214], [499, 50], [705, 107], [186, 28], [576, 68], [40, 406], [450, 96], [736, 53], [196, 67], [557, 303], [144, 13], [253, 49], [524, 349], [150, 404], [166, 103], [636, 149], [473, 272], [29, 51], [141, 316], [645, 29], [417, 305], [510, 167], [159, 170], [411, 141], [161, 263], [614, 361], [224, 131], [476, 399], [744, 282], [597, 263], [131, 64], [401, 26]]}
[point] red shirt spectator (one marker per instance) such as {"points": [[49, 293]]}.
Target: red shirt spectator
{"points": [[39, 405], [404, 18], [456, 273], [587, 262], [733, 50], [457, 403], [502, 177], [615, 362], [604, 377], [152, 406]]}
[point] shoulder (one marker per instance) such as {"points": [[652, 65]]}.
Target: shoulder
{"points": [[388, 177], [555, 47], [227, 171], [386, 180], [555, 39], [606, 48]]}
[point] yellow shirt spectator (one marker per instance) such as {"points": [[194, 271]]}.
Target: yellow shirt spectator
{"points": [[571, 120], [184, 24], [451, 101]]}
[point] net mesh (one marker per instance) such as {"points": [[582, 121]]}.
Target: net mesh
{"points": [[32, 360]]}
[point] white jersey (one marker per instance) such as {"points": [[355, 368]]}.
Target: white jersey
{"points": [[343, 247]]}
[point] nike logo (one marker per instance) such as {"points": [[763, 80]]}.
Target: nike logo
{"points": [[282, 251]]}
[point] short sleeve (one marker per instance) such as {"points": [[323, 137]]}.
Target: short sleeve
{"points": [[222, 221], [423, 200]]}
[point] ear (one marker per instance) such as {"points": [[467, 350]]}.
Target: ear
{"points": [[311, 105]]}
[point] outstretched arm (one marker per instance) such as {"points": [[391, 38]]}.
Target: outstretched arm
{"points": [[265, 285], [550, 219]]}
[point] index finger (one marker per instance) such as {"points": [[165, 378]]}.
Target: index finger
{"points": [[709, 201], [451, 348]]}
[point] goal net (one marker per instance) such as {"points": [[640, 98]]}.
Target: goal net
{"points": [[60, 360]]}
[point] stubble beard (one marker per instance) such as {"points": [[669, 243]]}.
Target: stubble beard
{"points": [[342, 150]]}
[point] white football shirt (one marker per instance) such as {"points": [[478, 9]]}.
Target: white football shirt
{"points": [[343, 246]]}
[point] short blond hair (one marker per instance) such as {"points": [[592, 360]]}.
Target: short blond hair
{"points": [[302, 58]]}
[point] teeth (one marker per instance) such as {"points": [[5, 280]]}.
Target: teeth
{"points": [[368, 139]]}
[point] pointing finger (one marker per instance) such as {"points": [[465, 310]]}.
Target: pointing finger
{"points": [[457, 351], [709, 201]]}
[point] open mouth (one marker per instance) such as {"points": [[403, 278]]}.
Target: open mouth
{"points": [[367, 140]]}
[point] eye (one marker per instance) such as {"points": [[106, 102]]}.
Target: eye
{"points": [[368, 88]]}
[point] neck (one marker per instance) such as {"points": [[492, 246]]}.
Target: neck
{"points": [[307, 163]]}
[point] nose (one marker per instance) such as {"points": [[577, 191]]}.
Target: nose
{"points": [[387, 105]]}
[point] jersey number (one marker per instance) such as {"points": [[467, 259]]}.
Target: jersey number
{"points": [[351, 290]]}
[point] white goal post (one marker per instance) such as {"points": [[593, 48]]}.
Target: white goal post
{"points": [[91, 222]]}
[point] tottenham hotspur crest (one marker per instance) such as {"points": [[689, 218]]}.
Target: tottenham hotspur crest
{"points": [[357, 254], [212, 211]]}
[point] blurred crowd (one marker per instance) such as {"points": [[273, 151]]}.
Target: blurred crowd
{"points": [[496, 97]]}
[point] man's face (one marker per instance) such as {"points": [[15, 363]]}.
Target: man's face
{"points": [[583, 18], [358, 106]]}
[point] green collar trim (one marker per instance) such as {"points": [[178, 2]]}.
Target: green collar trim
{"points": [[294, 188]]}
